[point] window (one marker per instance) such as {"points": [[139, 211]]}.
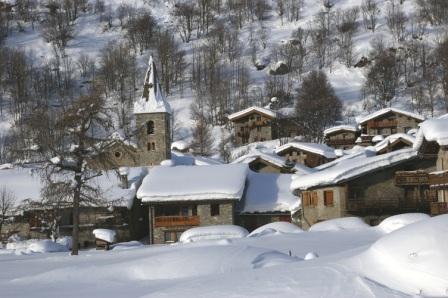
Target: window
{"points": [[172, 236], [259, 128], [214, 209], [310, 198], [153, 146], [150, 127], [194, 210], [328, 198], [184, 210], [148, 146], [118, 154], [258, 118]]}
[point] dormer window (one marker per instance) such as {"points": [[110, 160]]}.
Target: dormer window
{"points": [[150, 127]]}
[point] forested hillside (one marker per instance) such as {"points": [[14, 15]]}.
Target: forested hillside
{"points": [[216, 57]]}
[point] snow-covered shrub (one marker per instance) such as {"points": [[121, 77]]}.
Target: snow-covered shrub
{"points": [[396, 222]]}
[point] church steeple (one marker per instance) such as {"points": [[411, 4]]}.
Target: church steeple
{"points": [[152, 100]]}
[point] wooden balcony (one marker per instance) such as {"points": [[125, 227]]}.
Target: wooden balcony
{"points": [[439, 208], [439, 180], [411, 178], [382, 124], [175, 221], [340, 142]]}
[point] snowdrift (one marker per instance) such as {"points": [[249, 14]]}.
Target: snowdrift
{"points": [[339, 224], [275, 227], [396, 222], [213, 233], [37, 246], [413, 259]]}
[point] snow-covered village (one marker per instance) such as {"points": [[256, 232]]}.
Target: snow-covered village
{"points": [[223, 148]]}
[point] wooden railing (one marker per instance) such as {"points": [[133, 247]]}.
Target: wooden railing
{"points": [[381, 124], [341, 142], [439, 180], [172, 221], [439, 208], [415, 178]]}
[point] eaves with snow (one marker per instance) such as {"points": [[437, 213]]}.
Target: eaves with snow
{"points": [[379, 113], [340, 128], [319, 149], [250, 110], [352, 167], [193, 183], [434, 130]]}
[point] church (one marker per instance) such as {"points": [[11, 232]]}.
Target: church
{"points": [[152, 130]]}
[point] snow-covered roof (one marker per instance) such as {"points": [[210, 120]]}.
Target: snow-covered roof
{"points": [[152, 100], [319, 149], [193, 183], [434, 130], [340, 128], [252, 109], [351, 168], [272, 158], [377, 138], [268, 192], [186, 159], [26, 184], [392, 138], [387, 110]]}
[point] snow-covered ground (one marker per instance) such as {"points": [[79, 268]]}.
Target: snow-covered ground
{"points": [[353, 262]]}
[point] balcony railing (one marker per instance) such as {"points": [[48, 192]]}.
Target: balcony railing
{"points": [[173, 221], [382, 124], [411, 178], [439, 180], [341, 142], [439, 208]]}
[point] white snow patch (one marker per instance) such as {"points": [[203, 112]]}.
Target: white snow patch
{"points": [[339, 224], [213, 233]]}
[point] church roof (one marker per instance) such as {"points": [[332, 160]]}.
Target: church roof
{"points": [[152, 100]]}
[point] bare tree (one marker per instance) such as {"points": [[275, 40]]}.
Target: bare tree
{"points": [[396, 21], [58, 29], [370, 12], [141, 31], [442, 54], [7, 203], [68, 142], [185, 14], [202, 138], [346, 28]]}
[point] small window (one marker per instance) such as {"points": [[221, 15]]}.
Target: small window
{"points": [[150, 127], [184, 210], [172, 236], [258, 118], [259, 128], [153, 146], [214, 209], [328, 198], [148, 146], [194, 210], [118, 154]]}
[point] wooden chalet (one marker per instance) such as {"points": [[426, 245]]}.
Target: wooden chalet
{"points": [[253, 124], [341, 137], [389, 121], [309, 154]]}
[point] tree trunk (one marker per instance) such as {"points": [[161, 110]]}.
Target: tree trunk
{"points": [[75, 232]]}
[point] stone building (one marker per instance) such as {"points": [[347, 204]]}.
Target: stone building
{"points": [[341, 136], [432, 140], [152, 142], [389, 121], [115, 207], [308, 154], [253, 124], [363, 185], [183, 197]]}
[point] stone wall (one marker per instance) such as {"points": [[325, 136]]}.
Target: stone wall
{"points": [[319, 212], [225, 217]]}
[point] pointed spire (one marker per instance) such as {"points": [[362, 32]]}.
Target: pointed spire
{"points": [[153, 100]]}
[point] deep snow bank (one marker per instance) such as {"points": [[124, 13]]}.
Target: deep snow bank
{"points": [[213, 233], [413, 259], [399, 221], [275, 227], [339, 224]]}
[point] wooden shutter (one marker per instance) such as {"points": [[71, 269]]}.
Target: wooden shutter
{"points": [[305, 198], [314, 198], [328, 198]]}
